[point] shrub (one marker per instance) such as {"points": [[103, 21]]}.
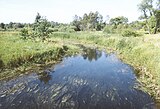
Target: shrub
{"points": [[66, 29], [55, 29], [109, 29], [24, 33], [129, 33]]}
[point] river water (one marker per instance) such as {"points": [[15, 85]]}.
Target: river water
{"points": [[91, 80]]}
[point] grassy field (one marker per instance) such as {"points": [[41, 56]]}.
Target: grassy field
{"points": [[143, 53]]}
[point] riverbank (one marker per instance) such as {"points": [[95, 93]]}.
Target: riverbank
{"points": [[18, 56]]}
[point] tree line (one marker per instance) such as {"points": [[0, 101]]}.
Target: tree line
{"points": [[93, 21]]}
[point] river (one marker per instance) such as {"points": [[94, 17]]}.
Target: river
{"points": [[91, 80]]}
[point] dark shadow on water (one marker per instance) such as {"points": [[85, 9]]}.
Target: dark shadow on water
{"points": [[92, 80]]}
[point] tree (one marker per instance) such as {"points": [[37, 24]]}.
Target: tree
{"points": [[10, 25], [149, 10], [91, 21], [18, 25], [2, 25], [41, 27], [118, 20], [77, 23], [38, 17], [85, 22], [157, 16], [146, 6], [95, 21]]}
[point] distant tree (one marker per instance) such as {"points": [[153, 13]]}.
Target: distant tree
{"points": [[54, 24], [148, 11], [146, 7], [85, 22], [91, 21], [118, 20], [41, 27], [2, 25], [38, 17], [95, 21], [77, 23], [19, 25], [10, 25], [157, 16]]}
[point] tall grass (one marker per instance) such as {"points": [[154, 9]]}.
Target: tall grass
{"points": [[15, 51]]}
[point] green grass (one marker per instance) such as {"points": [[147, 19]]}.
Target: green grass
{"points": [[13, 48], [16, 53]]}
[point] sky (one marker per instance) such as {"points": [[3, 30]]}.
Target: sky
{"points": [[63, 11]]}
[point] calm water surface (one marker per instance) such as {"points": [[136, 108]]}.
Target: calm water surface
{"points": [[92, 80]]}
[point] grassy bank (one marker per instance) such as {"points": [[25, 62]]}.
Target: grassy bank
{"points": [[18, 55], [143, 53]]}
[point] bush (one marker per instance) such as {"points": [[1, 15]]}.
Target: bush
{"points": [[66, 29], [129, 33], [24, 33], [55, 29], [109, 29]]}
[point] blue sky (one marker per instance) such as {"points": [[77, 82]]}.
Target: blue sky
{"points": [[64, 10]]}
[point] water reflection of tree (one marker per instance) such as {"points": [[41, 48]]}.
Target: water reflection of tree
{"points": [[45, 77], [91, 54]]}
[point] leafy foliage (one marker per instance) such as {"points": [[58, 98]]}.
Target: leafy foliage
{"points": [[41, 29], [148, 12], [116, 25], [157, 17], [118, 20], [91, 21], [24, 33], [129, 33], [109, 29], [2, 25]]}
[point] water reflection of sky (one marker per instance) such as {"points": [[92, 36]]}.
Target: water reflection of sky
{"points": [[93, 80]]}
